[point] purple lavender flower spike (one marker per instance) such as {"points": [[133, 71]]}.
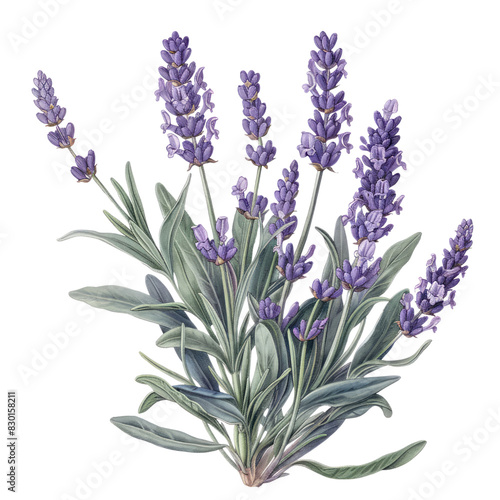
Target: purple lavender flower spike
{"points": [[85, 167], [432, 291], [294, 309], [376, 198], [411, 325], [293, 272], [325, 292], [326, 68], [180, 88], [63, 137], [51, 113], [288, 189], [255, 124], [316, 328], [268, 309]]}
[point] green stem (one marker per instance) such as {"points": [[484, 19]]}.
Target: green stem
{"points": [[210, 206], [336, 341], [110, 196], [310, 214], [284, 296], [269, 276], [296, 402]]}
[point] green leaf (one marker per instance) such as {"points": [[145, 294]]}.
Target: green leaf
{"points": [[118, 241], [239, 233], [165, 370], [170, 226], [358, 409], [164, 389], [387, 462], [147, 243], [196, 340], [139, 214], [267, 358], [362, 311], [338, 248], [243, 285], [218, 404], [165, 438], [122, 194], [119, 225], [123, 300], [170, 306], [392, 262], [379, 363], [345, 392], [385, 332], [151, 399]]}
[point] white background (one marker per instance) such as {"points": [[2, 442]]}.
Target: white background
{"points": [[439, 59]]}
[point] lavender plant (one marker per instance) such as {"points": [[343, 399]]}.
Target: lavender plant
{"points": [[270, 381]]}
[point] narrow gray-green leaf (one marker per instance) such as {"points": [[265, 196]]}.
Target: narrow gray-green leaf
{"points": [[345, 392], [171, 224], [215, 403], [122, 300], [117, 241], [387, 462], [165, 438], [196, 340], [151, 399], [170, 306]]}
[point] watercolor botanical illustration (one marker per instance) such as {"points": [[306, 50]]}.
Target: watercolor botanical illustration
{"points": [[270, 375]]}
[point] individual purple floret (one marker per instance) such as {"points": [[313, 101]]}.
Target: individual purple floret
{"points": [[268, 309], [292, 272], [245, 202], [433, 290], [411, 325], [226, 249], [255, 124], [285, 195], [316, 328], [376, 195], [180, 88], [51, 113], [85, 167], [362, 276], [294, 309], [326, 68], [63, 137], [325, 292]]}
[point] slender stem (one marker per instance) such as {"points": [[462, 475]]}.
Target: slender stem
{"points": [[229, 319], [310, 214], [336, 341], [210, 206], [214, 439], [269, 276], [284, 296], [110, 196], [296, 402]]}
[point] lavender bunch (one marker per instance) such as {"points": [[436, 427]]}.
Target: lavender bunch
{"points": [[270, 382]]}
